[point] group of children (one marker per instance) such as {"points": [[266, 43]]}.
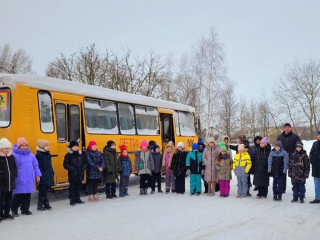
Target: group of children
{"points": [[20, 170]]}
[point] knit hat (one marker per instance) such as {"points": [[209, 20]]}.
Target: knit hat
{"points": [[200, 142], [241, 147], [154, 147], [287, 125], [42, 143], [110, 143], [144, 143], [299, 144], [264, 141], [73, 143], [223, 149], [21, 141], [180, 144], [278, 144], [91, 144], [152, 143], [210, 140], [319, 132], [4, 143], [195, 147], [123, 148]]}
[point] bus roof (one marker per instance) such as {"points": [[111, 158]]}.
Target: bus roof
{"points": [[54, 84]]}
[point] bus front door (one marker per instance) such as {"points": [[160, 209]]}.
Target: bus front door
{"points": [[68, 125]]}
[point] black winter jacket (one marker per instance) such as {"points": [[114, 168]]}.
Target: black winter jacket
{"points": [[75, 163], [289, 142], [315, 159], [45, 166], [260, 166], [8, 173]]}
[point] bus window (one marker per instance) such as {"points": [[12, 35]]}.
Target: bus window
{"points": [[166, 129], [176, 120], [101, 117], [45, 111], [186, 124], [126, 118], [5, 107], [147, 120], [74, 121], [61, 122]]}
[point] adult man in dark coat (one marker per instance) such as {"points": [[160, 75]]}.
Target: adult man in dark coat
{"points": [[315, 162], [288, 140]]}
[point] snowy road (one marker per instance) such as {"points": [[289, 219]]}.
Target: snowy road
{"points": [[172, 216]]}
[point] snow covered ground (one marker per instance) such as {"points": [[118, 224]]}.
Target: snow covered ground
{"points": [[172, 216]]}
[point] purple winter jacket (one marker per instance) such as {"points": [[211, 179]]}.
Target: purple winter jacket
{"points": [[28, 170]]}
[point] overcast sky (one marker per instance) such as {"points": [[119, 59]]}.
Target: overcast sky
{"points": [[260, 37]]}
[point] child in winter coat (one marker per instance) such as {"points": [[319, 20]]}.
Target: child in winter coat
{"points": [[75, 163], [95, 167], [166, 163], [260, 168], [113, 169], [47, 179], [8, 174], [195, 167], [156, 174], [126, 167], [241, 166], [299, 169], [144, 165], [28, 171], [278, 162], [179, 168], [209, 157], [224, 164]]}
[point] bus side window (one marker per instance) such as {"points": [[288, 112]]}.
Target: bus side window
{"points": [[45, 111], [61, 122]]}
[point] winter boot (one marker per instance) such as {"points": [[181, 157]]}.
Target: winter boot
{"points": [[40, 206], [72, 202], [96, 198], [1, 218], [198, 193], [209, 191], [275, 198], [141, 191], [121, 194], [315, 201], [279, 198], [213, 192], [301, 200], [46, 204], [114, 195], [146, 191], [294, 200], [167, 190], [15, 214], [248, 193], [78, 201], [152, 192], [90, 198], [28, 213], [8, 217], [160, 191], [206, 187]]}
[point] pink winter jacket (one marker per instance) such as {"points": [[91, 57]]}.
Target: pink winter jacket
{"points": [[209, 158]]}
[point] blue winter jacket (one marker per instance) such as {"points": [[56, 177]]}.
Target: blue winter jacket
{"points": [[126, 166], [278, 162], [95, 160], [194, 162]]}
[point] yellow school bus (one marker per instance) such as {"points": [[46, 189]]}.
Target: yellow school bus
{"points": [[37, 107]]}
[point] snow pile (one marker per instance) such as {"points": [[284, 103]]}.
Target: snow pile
{"points": [[171, 216]]}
